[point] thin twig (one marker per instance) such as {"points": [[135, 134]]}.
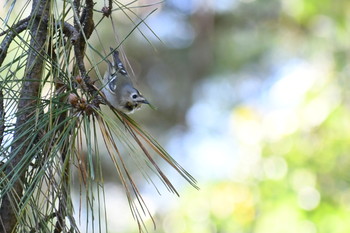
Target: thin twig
{"points": [[11, 34], [76, 9], [86, 26], [19, 24], [87, 21], [22, 25], [69, 31], [79, 57]]}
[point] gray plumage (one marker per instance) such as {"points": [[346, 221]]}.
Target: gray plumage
{"points": [[118, 87]]}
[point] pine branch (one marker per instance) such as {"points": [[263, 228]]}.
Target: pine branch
{"points": [[29, 92], [69, 31], [11, 34], [23, 23], [85, 25]]}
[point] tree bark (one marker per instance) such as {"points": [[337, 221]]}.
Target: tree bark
{"points": [[26, 108]]}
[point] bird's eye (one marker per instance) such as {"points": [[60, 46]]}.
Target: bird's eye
{"points": [[134, 96]]}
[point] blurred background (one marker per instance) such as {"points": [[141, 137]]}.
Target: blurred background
{"points": [[252, 99]]}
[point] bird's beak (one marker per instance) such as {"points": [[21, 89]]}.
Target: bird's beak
{"points": [[144, 101]]}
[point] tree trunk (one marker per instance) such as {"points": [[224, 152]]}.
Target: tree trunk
{"points": [[26, 108]]}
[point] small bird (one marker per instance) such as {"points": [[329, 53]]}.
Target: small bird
{"points": [[118, 87]]}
